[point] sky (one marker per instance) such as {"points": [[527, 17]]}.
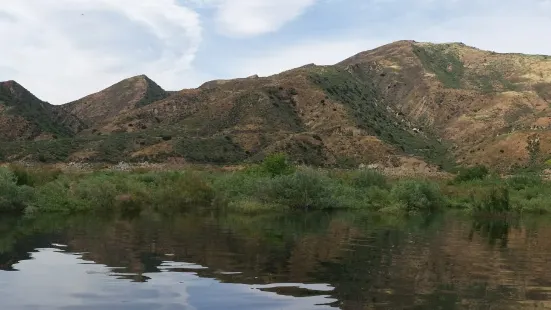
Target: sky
{"points": [[62, 50]]}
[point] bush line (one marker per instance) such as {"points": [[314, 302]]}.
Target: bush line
{"points": [[272, 185]]}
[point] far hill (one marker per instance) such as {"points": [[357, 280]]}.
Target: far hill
{"points": [[132, 93], [25, 117], [402, 103]]}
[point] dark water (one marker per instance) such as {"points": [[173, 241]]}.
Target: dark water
{"points": [[295, 261]]}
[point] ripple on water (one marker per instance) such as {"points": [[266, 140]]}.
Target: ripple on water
{"points": [[294, 261]]}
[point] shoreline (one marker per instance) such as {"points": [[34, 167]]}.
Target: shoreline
{"points": [[273, 185]]}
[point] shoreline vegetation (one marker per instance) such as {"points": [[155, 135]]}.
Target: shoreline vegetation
{"points": [[273, 185]]}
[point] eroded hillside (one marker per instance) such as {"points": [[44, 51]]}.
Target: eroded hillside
{"points": [[25, 117], [439, 103]]}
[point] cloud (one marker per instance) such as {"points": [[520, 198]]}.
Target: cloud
{"points": [[64, 49], [243, 18]]}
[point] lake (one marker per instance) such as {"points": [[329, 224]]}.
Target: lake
{"points": [[285, 261]]}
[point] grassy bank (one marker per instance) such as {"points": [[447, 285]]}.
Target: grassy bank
{"points": [[272, 185]]}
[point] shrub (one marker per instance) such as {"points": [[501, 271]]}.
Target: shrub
{"points": [[345, 196], [42, 158], [418, 196], [237, 185], [13, 197], [519, 182], [54, 197], [179, 190], [478, 172], [252, 206], [539, 205], [494, 200], [277, 164], [98, 191], [304, 189], [367, 178], [22, 175], [34, 177], [92, 192], [379, 198], [125, 192]]}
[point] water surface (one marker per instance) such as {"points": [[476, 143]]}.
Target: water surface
{"points": [[292, 261]]}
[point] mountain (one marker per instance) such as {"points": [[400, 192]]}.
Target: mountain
{"points": [[403, 103], [99, 108], [25, 117], [489, 108]]}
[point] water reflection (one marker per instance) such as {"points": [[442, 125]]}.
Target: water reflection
{"points": [[293, 261], [493, 229]]}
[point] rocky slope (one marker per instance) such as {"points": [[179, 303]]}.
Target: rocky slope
{"points": [[402, 103], [25, 117], [99, 108]]}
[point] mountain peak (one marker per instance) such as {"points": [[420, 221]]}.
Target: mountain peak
{"points": [[11, 84], [138, 77], [134, 92], [8, 82], [29, 117], [15, 90]]}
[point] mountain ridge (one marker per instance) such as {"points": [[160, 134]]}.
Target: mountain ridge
{"points": [[99, 107], [25, 117], [445, 104]]}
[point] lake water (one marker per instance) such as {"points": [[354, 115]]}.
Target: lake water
{"points": [[293, 261]]}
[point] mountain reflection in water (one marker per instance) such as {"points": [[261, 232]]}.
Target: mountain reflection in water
{"points": [[277, 261]]}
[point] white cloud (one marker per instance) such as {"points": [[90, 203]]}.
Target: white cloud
{"points": [[64, 49], [241, 18]]}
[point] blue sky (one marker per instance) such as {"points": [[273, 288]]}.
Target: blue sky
{"points": [[62, 50]]}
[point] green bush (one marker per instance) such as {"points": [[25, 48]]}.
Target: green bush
{"points": [[367, 178], [478, 172], [34, 177], [237, 185], [22, 175], [418, 196], [13, 198], [125, 192], [180, 190], [55, 197], [379, 198], [538, 205], [494, 200], [269, 186], [252, 206], [305, 189], [519, 182], [99, 191], [277, 164]]}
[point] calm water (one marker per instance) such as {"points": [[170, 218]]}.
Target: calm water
{"points": [[299, 261]]}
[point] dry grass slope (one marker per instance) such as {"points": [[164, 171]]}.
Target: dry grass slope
{"points": [[439, 103]]}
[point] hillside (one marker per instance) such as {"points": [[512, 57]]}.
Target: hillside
{"points": [[399, 104], [25, 117], [491, 108], [97, 109]]}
